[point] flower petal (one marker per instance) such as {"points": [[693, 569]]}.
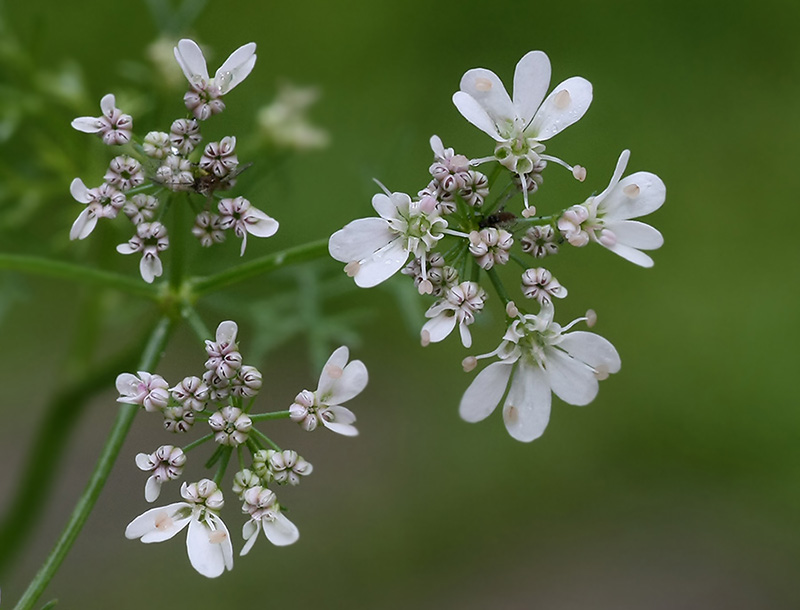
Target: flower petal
{"points": [[636, 234], [207, 547], [487, 89], [622, 163], [226, 332], [567, 103], [439, 327], [531, 79], [260, 224], [159, 524], [280, 531], [359, 239], [250, 534], [152, 489], [527, 408], [150, 267], [633, 255], [382, 264], [352, 382], [108, 103], [636, 195], [80, 191], [127, 385], [571, 380], [87, 124], [236, 68], [471, 110], [333, 370], [84, 224], [191, 60], [343, 419], [594, 350], [485, 392]]}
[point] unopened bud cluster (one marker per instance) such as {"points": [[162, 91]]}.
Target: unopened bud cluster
{"points": [[139, 181], [484, 222]]}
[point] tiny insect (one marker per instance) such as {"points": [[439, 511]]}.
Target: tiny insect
{"points": [[207, 183], [500, 219]]}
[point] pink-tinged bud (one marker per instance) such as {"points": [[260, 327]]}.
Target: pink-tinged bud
{"points": [[469, 363], [591, 318]]}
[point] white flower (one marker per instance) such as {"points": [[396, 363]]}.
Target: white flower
{"points": [[338, 382], [265, 514], [605, 218], [538, 358], [102, 202], [149, 391], [150, 239], [241, 216], [459, 306], [203, 100], [520, 125], [208, 542], [166, 463], [113, 126], [376, 248]]}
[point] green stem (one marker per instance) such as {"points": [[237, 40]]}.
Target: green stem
{"points": [[297, 254], [223, 465], [150, 357], [198, 442], [196, 323], [265, 438], [68, 271], [268, 416], [498, 285]]}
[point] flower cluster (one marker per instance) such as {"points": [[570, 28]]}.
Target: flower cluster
{"points": [[140, 180], [461, 229], [222, 397]]}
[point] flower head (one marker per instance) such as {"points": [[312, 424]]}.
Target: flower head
{"points": [[538, 357], [339, 381], [112, 125], [203, 98], [265, 514], [606, 218], [208, 542], [376, 248]]}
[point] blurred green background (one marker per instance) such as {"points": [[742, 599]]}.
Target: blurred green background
{"points": [[676, 488]]}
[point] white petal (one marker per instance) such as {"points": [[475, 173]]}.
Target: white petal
{"points": [[466, 336], [437, 146], [631, 254], [475, 114], [487, 89], [381, 265], [244, 244], [387, 206], [152, 489], [142, 459], [260, 224], [570, 379], [281, 531], [191, 60], [531, 79], [126, 248], [79, 191], [594, 350], [150, 267], [622, 163], [128, 385], [159, 524], [352, 382], [250, 534], [636, 234], [343, 420], [239, 63], [359, 239], [84, 224], [440, 326], [108, 103], [226, 332], [207, 548], [485, 392], [558, 111], [527, 408], [622, 204], [333, 370], [87, 124]]}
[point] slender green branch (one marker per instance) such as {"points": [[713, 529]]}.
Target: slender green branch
{"points": [[268, 416], [68, 271], [225, 457], [196, 323], [498, 285], [198, 442], [127, 412], [265, 264], [265, 438]]}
